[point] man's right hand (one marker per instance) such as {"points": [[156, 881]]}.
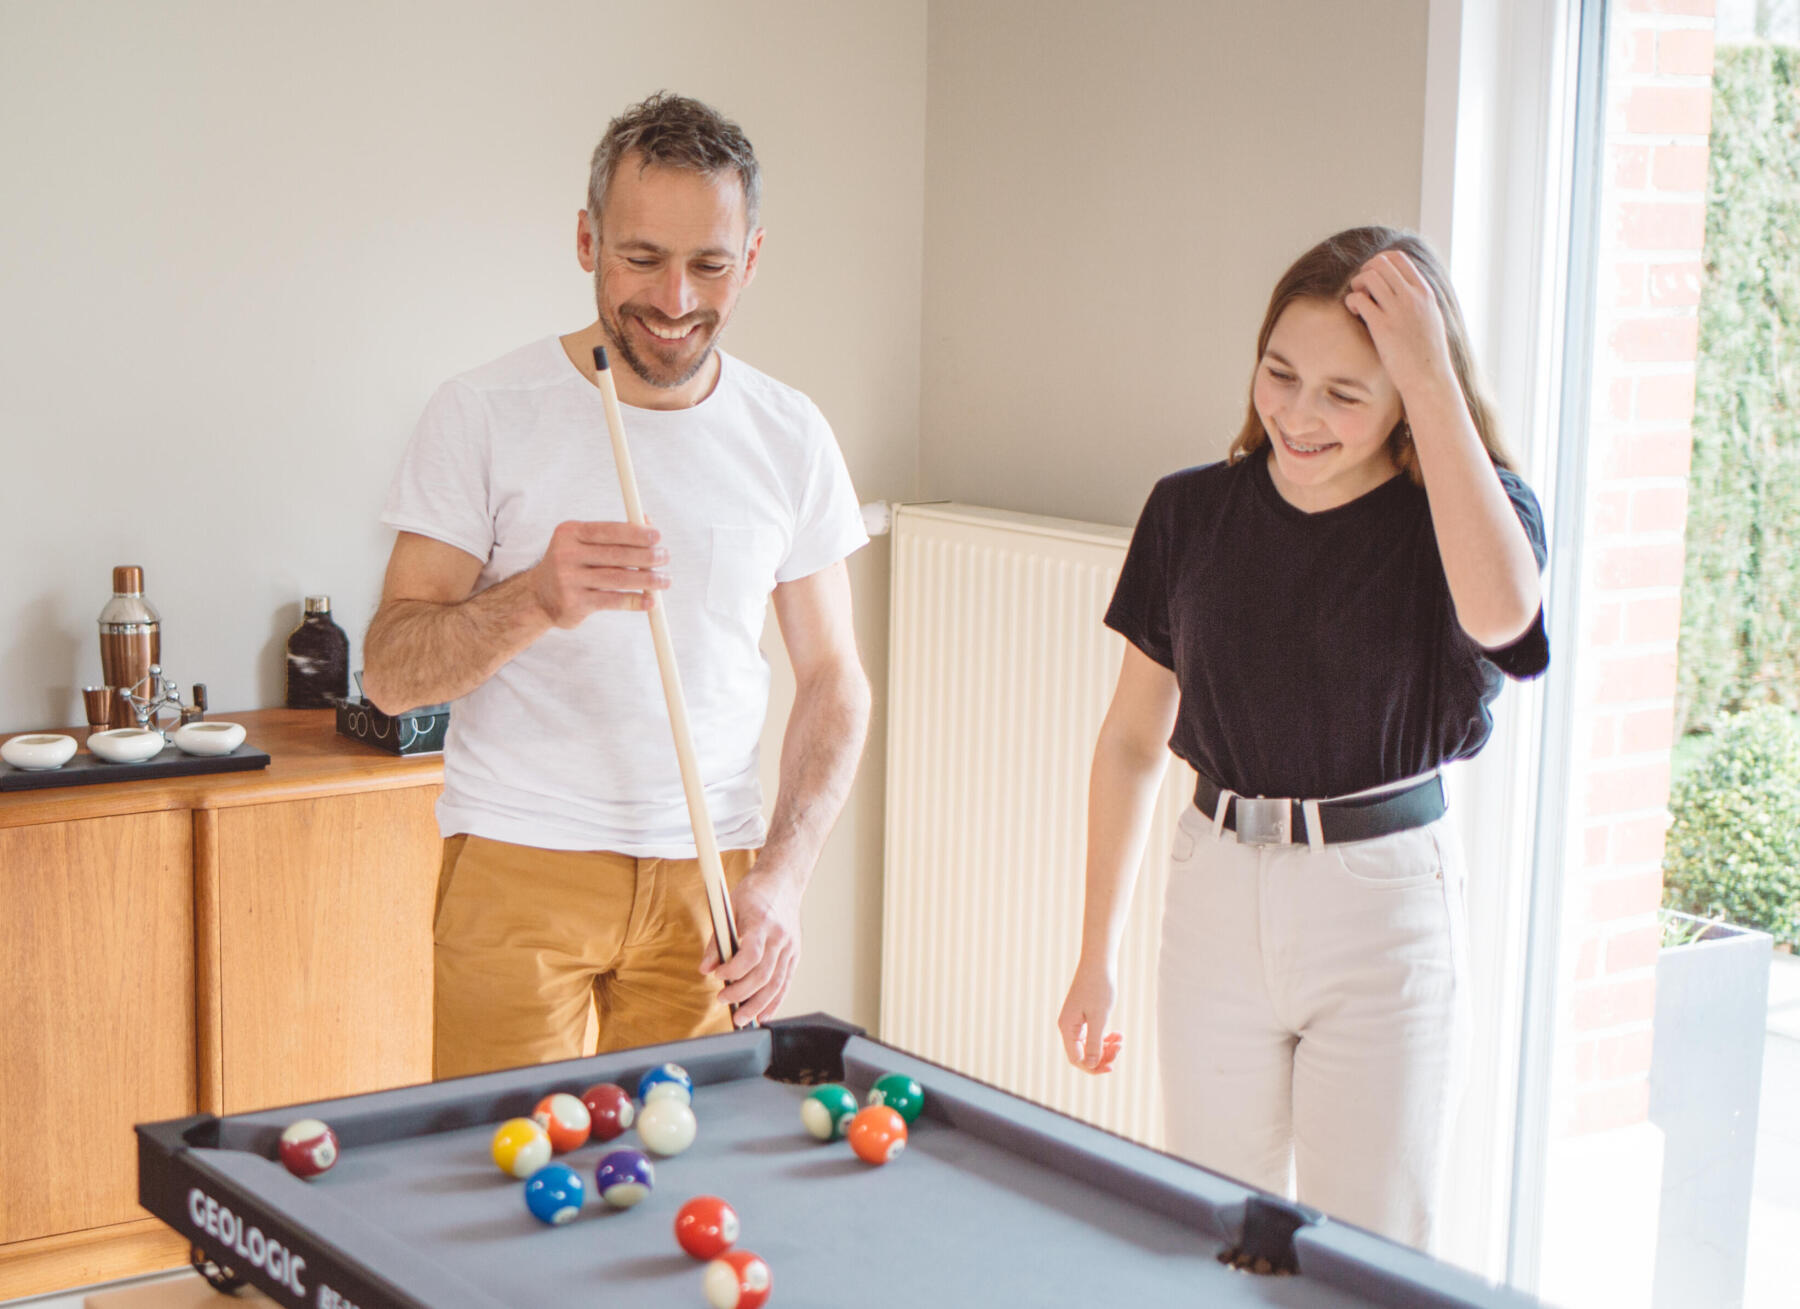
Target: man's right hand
{"points": [[594, 566]]}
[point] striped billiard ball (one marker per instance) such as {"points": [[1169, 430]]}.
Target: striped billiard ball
{"points": [[899, 1092], [520, 1147], [827, 1112], [308, 1148], [565, 1120], [624, 1177]]}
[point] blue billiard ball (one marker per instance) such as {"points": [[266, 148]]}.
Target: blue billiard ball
{"points": [[554, 1194], [624, 1177], [666, 1079]]}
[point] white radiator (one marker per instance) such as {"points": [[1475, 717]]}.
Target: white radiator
{"points": [[1000, 671]]}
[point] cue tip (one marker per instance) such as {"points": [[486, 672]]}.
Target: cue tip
{"points": [[600, 358]]}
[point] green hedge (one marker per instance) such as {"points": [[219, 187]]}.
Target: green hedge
{"points": [[1740, 604], [1734, 848]]}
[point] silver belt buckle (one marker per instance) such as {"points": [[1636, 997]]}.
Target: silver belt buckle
{"points": [[1261, 821]]}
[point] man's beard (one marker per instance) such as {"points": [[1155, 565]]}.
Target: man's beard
{"points": [[649, 370]]}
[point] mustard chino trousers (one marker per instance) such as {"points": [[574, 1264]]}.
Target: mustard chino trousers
{"points": [[526, 940]]}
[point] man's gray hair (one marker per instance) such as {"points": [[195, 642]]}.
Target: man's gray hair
{"points": [[672, 131]]}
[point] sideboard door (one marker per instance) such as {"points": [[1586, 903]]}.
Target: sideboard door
{"points": [[96, 1012], [323, 907]]}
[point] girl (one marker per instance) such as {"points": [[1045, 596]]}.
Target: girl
{"points": [[1323, 618]]}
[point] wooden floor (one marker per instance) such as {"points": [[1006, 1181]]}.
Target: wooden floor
{"points": [[182, 1290]]}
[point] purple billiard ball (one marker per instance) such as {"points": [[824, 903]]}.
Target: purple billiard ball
{"points": [[624, 1177]]}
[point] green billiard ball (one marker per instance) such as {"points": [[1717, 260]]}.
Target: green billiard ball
{"points": [[900, 1093], [827, 1112]]}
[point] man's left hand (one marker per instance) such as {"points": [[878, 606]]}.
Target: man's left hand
{"points": [[766, 904]]}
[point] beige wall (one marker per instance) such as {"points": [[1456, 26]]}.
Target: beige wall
{"points": [[1111, 192], [1016, 252], [242, 243]]}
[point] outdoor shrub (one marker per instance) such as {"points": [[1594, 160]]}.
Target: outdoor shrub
{"points": [[1734, 847], [1740, 602]]}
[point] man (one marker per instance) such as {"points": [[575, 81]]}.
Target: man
{"points": [[516, 589]]}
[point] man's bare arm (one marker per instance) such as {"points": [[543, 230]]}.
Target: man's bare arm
{"points": [[435, 638], [829, 721], [819, 753]]}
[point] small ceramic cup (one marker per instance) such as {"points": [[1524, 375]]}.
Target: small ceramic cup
{"points": [[126, 745], [39, 750], [209, 737]]}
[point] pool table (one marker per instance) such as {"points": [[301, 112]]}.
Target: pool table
{"points": [[995, 1201]]}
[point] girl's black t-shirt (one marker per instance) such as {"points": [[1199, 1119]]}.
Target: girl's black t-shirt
{"points": [[1317, 653]]}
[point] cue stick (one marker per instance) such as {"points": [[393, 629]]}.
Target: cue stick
{"points": [[706, 844]]}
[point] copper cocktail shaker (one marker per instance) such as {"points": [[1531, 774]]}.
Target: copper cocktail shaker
{"points": [[130, 636]]}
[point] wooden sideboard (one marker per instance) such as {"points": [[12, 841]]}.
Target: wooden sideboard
{"points": [[199, 944]]}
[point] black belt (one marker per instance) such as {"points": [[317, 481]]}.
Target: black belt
{"points": [[1358, 818]]}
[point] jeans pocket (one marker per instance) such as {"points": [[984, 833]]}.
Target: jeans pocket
{"points": [[1399, 861], [453, 848], [1187, 835]]}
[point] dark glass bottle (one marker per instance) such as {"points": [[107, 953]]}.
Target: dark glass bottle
{"points": [[318, 659]]}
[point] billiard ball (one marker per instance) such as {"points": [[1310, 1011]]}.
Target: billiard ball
{"points": [[610, 1109], [666, 1080], [899, 1092], [666, 1126], [827, 1112], [554, 1194], [706, 1227], [624, 1177], [308, 1148], [565, 1121], [738, 1279], [877, 1134], [521, 1147]]}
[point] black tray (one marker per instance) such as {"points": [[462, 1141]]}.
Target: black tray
{"points": [[87, 769]]}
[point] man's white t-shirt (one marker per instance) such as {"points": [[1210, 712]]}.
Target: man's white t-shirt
{"points": [[568, 746]]}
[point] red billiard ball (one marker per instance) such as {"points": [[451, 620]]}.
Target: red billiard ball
{"points": [[738, 1279], [706, 1227], [877, 1134], [611, 1110], [565, 1121], [308, 1148]]}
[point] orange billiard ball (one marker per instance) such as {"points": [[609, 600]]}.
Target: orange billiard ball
{"points": [[877, 1134], [565, 1121]]}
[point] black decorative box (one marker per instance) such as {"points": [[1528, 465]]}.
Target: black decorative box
{"points": [[417, 731]]}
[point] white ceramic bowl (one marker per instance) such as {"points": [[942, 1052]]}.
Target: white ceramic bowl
{"points": [[39, 750], [209, 737], [126, 745]]}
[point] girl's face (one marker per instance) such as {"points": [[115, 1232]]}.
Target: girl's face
{"points": [[1327, 405]]}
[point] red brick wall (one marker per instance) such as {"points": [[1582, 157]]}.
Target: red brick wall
{"points": [[1658, 112]]}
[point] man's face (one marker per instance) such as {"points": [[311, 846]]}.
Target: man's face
{"points": [[671, 259]]}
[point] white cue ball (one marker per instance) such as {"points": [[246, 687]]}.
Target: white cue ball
{"points": [[666, 1126]]}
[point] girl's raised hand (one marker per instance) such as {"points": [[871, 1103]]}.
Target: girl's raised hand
{"points": [[1396, 304]]}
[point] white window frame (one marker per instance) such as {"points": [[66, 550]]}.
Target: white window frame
{"points": [[1496, 193]]}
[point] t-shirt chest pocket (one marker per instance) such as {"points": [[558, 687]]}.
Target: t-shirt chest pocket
{"points": [[742, 572]]}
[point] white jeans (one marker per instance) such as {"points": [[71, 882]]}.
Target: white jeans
{"points": [[1313, 1017]]}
